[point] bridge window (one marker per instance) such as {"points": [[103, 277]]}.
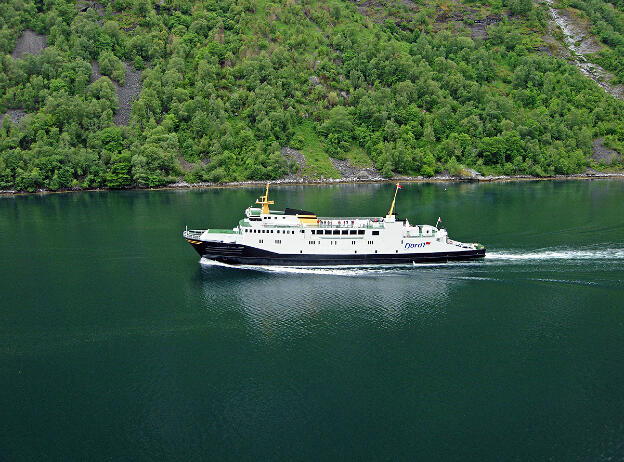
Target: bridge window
{"points": [[360, 231], [336, 231], [375, 233], [345, 231], [353, 231]]}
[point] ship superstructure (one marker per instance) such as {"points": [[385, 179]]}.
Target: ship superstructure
{"points": [[294, 237]]}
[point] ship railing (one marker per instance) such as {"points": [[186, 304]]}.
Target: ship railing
{"points": [[346, 222], [193, 233], [462, 245]]}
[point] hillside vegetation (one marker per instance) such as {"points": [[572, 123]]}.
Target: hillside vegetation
{"points": [[413, 87]]}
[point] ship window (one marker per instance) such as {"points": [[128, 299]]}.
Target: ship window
{"points": [[336, 231], [300, 231], [271, 231], [375, 233], [278, 241], [360, 231], [353, 242], [345, 231], [261, 241], [278, 231], [313, 231], [353, 231]]}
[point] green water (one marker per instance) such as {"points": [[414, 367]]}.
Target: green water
{"points": [[116, 344]]}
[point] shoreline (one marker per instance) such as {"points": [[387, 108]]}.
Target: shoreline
{"points": [[182, 185]]}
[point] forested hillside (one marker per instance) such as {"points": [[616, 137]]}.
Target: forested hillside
{"points": [[218, 89]]}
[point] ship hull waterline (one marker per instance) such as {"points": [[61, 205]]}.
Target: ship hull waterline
{"points": [[240, 254]]}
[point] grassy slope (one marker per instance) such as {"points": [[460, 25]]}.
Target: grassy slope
{"points": [[317, 163]]}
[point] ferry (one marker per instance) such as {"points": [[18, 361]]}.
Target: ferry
{"points": [[293, 237]]}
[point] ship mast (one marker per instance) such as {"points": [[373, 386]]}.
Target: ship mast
{"points": [[398, 186], [264, 201]]}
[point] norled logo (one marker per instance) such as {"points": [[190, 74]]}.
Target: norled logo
{"points": [[409, 245]]}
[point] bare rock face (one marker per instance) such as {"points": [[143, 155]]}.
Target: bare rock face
{"points": [[292, 155], [602, 153], [29, 42], [126, 93], [580, 45], [84, 5], [15, 115], [351, 172], [478, 30]]}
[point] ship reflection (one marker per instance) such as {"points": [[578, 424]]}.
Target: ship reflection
{"points": [[296, 301]]}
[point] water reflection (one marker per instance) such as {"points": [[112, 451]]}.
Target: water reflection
{"points": [[300, 300]]}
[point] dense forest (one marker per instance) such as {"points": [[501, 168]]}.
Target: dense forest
{"points": [[411, 87]]}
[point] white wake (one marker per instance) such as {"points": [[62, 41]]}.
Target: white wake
{"points": [[558, 254]]}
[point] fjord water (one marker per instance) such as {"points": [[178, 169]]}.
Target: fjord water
{"points": [[116, 343]]}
